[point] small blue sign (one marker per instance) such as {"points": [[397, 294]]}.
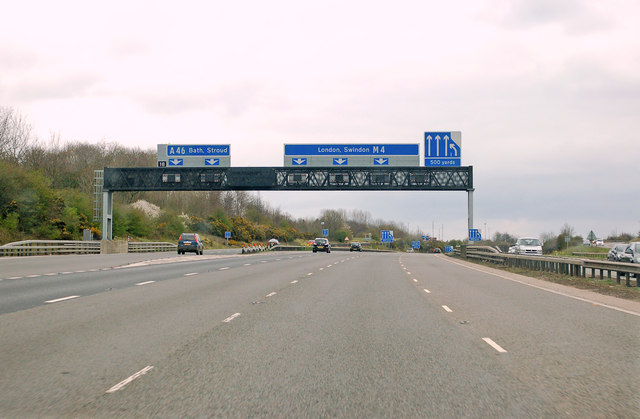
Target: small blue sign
{"points": [[325, 232], [340, 161], [386, 236], [227, 234], [212, 162], [425, 238], [415, 244], [197, 150], [299, 161], [351, 149], [448, 249], [474, 235], [176, 162], [440, 150], [381, 162]]}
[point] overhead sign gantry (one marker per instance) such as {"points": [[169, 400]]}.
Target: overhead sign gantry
{"points": [[351, 155]]}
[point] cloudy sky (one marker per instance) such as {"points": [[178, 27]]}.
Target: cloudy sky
{"points": [[545, 92]]}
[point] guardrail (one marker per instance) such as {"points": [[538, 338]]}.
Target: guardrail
{"points": [[65, 247], [565, 266]]}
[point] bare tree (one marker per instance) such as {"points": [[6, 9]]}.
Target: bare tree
{"points": [[15, 134]]}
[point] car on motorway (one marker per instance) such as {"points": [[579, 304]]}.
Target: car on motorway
{"points": [[321, 244], [631, 253], [599, 242], [190, 242], [355, 247], [616, 252], [528, 246]]}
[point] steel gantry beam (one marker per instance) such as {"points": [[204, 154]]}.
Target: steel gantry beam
{"points": [[282, 179]]}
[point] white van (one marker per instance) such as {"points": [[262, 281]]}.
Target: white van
{"points": [[528, 246]]}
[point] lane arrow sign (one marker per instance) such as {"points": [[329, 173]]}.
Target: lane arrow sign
{"points": [[381, 162], [340, 161], [299, 162], [176, 162], [212, 162]]}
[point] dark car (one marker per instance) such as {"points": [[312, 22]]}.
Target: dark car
{"points": [[321, 244], [355, 247], [190, 242], [616, 252]]}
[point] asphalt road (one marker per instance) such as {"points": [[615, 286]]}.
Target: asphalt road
{"points": [[295, 334]]}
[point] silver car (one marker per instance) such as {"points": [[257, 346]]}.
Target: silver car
{"points": [[631, 253], [616, 252]]}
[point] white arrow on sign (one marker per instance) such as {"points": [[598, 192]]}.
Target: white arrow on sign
{"points": [[175, 162], [453, 147], [212, 162], [299, 161], [381, 161], [339, 161]]}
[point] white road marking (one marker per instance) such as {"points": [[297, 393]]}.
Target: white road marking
{"points": [[271, 294], [192, 273], [51, 274], [15, 277], [494, 345], [247, 264], [408, 273], [224, 268], [65, 273], [310, 273], [93, 270], [263, 261], [277, 259], [322, 269], [447, 309], [294, 282], [586, 300], [328, 266], [415, 280], [427, 291], [79, 272], [145, 283], [123, 383], [71, 297], [33, 276], [228, 319]]}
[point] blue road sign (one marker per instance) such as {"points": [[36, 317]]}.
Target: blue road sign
{"points": [[442, 149], [299, 161], [425, 238], [381, 162], [474, 235], [176, 162], [386, 236], [227, 234], [197, 150], [212, 162], [448, 249], [340, 161], [325, 232], [415, 244], [351, 149]]}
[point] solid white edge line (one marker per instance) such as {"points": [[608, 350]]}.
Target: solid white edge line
{"points": [[228, 319], [145, 283], [494, 345], [271, 294], [123, 383], [57, 300], [586, 300], [447, 309], [224, 269], [190, 274]]}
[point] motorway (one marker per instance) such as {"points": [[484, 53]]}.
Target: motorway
{"points": [[296, 334]]}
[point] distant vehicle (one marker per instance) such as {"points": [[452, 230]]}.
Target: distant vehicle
{"points": [[437, 250], [599, 242], [320, 244], [616, 252], [190, 242], [355, 246], [528, 246], [631, 253], [273, 243], [586, 242]]}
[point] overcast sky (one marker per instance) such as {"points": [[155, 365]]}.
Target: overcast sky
{"points": [[545, 92]]}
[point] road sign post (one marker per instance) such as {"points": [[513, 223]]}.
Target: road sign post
{"points": [[325, 232], [474, 235], [227, 235]]}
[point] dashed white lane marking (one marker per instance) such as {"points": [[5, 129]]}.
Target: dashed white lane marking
{"points": [[294, 282], [224, 268], [415, 280], [32, 276], [51, 274], [123, 383], [328, 266], [494, 345], [271, 294], [408, 273], [145, 283], [427, 291], [310, 273], [228, 319], [57, 300], [15, 277], [322, 269], [247, 264], [447, 309], [191, 273], [65, 273], [277, 259], [93, 270], [79, 272], [263, 261]]}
